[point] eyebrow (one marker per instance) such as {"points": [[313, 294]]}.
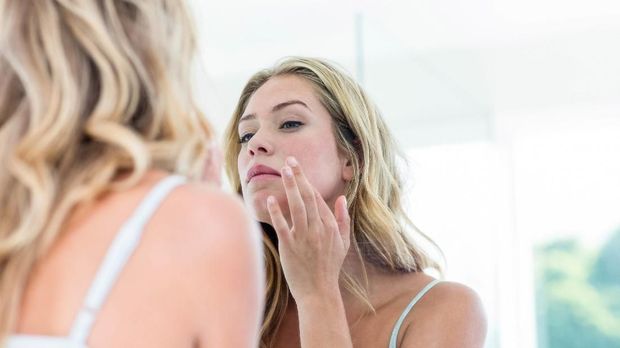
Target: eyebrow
{"points": [[278, 107]]}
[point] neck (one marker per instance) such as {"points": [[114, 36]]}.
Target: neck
{"points": [[371, 277], [366, 274]]}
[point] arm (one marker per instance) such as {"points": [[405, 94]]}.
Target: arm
{"points": [[452, 317], [229, 280], [312, 250], [323, 322]]}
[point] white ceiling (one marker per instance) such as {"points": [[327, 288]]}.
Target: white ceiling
{"points": [[441, 71]]}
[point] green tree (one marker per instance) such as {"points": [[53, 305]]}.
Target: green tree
{"points": [[606, 272], [574, 310], [606, 269]]}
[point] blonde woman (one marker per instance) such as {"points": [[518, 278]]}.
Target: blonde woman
{"points": [[107, 236], [315, 161]]}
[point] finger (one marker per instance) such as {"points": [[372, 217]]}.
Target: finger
{"points": [[296, 205], [343, 219], [277, 220], [328, 218], [306, 191]]}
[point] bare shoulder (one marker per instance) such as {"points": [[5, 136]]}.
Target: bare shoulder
{"points": [[211, 228], [449, 315], [218, 249], [208, 214]]}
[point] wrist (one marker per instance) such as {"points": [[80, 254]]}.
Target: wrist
{"points": [[328, 297], [323, 321]]}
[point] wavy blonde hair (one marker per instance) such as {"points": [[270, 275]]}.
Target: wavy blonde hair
{"points": [[93, 93], [382, 232]]}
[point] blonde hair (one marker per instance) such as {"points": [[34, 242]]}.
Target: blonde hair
{"points": [[93, 93], [381, 229]]}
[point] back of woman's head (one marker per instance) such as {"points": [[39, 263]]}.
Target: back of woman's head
{"points": [[90, 91]]}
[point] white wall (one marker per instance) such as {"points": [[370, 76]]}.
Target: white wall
{"points": [[509, 112]]}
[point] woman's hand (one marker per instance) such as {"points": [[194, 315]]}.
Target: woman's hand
{"points": [[312, 249]]}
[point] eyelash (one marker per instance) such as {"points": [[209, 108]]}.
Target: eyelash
{"points": [[247, 136]]}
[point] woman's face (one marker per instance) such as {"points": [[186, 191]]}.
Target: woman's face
{"points": [[285, 118]]}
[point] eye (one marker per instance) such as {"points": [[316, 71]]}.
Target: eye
{"points": [[291, 124], [245, 138]]}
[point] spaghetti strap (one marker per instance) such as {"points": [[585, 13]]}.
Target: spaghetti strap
{"points": [[123, 246], [400, 321]]}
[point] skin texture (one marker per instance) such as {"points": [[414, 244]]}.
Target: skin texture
{"points": [[304, 203], [185, 285], [306, 136]]}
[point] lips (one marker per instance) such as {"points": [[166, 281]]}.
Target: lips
{"points": [[260, 169]]}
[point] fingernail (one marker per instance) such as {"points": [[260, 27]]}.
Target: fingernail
{"points": [[291, 161], [287, 171], [271, 200]]}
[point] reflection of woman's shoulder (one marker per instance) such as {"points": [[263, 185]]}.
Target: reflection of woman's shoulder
{"points": [[439, 311]]}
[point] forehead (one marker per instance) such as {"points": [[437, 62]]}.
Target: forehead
{"points": [[280, 89]]}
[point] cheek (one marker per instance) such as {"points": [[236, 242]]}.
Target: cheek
{"points": [[321, 167]]}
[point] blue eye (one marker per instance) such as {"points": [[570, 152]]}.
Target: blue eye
{"points": [[291, 124], [245, 138]]}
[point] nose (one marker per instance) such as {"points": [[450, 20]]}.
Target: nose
{"points": [[259, 144]]}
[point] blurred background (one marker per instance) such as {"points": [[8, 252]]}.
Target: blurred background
{"points": [[509, 112]]}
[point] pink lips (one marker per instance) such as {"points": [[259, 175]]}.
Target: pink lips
{"points": [[260, 169]]}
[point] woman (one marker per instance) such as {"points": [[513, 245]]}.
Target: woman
{"points": [[315, 161], [107, 236]]}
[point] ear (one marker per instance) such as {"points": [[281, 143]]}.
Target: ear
{"points": [[347, 169]]}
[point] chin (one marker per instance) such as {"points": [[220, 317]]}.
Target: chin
{"points": [[258, 206], [261, 213], [263, 216]]}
